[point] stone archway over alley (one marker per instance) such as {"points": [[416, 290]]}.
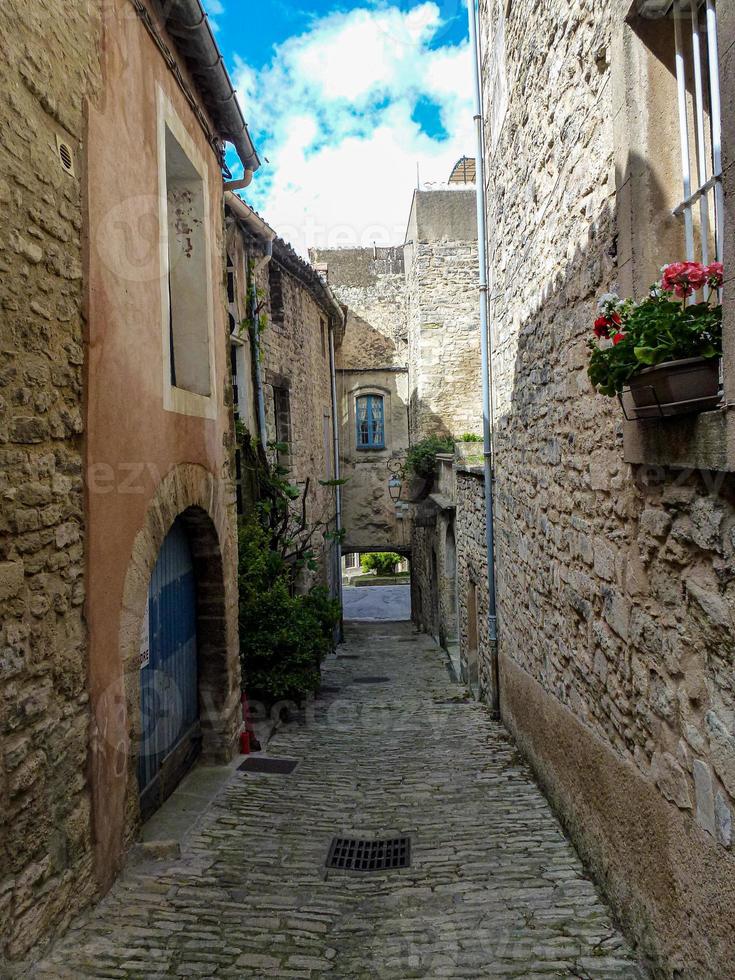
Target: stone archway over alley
{"points": [[390, 747]]}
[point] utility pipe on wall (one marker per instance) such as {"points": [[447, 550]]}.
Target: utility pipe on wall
{"points": [[486, 356], [262, 230], [264, 260], [337, 471]]}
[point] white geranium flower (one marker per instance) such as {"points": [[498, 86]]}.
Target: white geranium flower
{"points": [[608, 299]]}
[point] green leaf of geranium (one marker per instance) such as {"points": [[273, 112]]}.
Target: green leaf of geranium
{"points": [[646, 355]]}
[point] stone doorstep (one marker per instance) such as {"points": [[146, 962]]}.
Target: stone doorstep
{"points": [[171, 823]]}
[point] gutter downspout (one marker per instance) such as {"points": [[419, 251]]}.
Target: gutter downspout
{"points": [[337, 471], [187, 22], [486, 355], [263, 231]]}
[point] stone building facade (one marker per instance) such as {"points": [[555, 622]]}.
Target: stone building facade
{"points": [[445, 381], [615, 554], [411, 342], [117, 430], [300, 325], [441, 293], [50, 67], [371, 363]]}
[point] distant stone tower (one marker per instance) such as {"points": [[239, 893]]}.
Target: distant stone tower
{"points": [[440, 255]]}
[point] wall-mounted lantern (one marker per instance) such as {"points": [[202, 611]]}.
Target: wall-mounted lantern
{"points": [[395, 487]]}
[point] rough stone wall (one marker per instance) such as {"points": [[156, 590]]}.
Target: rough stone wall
{"points": [[616, 584], [424, 610], [443, 314], [49, 65], [372, 285], [444, 372], [295, 355], [472, 568], [446, 550]]}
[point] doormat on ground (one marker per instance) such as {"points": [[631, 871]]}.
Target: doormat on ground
{"points": [[266, 764]]}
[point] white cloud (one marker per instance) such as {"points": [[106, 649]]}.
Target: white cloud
{"points": [[332, 112], [214, 8]]}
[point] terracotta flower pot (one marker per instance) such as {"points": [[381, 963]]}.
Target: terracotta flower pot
{"points": [[676, 388]]}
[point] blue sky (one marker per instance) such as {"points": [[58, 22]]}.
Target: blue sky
{"points": [[344, 101]]}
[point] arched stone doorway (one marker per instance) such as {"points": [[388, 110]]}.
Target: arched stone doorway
{"points": [[192, 496], [180, 689]]}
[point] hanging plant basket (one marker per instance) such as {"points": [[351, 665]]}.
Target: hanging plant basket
{"points": [[682, 387]]}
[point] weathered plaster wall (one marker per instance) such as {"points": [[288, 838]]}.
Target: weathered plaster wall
{"points": [[49, 66], [369, 512], [144, 462], [615, 583], [371, 360], [443, 314]]}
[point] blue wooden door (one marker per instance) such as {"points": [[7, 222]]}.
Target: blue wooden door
{"points": [[168, 680]]}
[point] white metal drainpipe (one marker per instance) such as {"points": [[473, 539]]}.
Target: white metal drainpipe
{"points": [[486, 355]]}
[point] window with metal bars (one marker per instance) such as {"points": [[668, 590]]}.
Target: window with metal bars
{"points": [[282, 410], [370, 418], [700, 128]]}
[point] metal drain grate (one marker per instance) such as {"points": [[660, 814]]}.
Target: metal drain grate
{"points": [[329, 690], [265, 764], [348, 656], [370, 680], [352, 854]]}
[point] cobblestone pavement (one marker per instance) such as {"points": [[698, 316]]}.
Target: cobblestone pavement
{"points": [[377, 602], [494, 889]]}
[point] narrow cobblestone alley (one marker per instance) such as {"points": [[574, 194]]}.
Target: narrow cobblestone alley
{"points": [[494, 888]]}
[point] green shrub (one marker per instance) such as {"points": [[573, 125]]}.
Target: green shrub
{"points": [[470, 437], [283, 637], [421, 457], [381, 562]]}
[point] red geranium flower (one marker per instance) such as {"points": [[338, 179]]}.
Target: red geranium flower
{"points": [[616, 319], [618, 337], [684, 278], [602, 327]]}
